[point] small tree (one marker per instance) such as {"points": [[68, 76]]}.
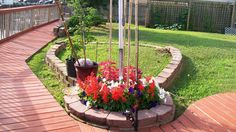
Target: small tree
{"points": [[84, 16]]}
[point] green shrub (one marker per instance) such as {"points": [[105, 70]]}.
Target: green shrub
{"points": [[171, 27], [93, 17], [72, 23]]}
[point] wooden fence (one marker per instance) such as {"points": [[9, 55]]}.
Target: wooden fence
{"points": [[193, 15], [210, 16], [15, 20]]}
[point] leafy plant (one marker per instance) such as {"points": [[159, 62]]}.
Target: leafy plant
{"points": [[109, 93], [80, 24], [172, 27]]}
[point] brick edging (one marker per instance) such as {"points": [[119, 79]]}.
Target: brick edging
{"points": [[155, 116], [165, 78]]}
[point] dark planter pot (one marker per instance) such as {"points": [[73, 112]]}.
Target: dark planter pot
{"points": [[70, 67], [83, 72]]}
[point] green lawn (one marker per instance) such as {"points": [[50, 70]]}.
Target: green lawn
{"points": [[151, 62], [209, 61]]}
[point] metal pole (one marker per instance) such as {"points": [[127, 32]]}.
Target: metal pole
{"points": [[121, 40]]}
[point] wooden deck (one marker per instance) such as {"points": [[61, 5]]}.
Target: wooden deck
{"points": [[26, 105]]}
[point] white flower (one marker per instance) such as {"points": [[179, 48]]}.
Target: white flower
{"points": [[162, 93], [82, 62], [120, 78], [144, 82], [88, 105], [156, 83], [115, 84], [150, 81], [111, 82], [104, 80]]}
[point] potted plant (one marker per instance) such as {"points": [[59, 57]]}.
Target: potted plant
{"points": [[84, 66]]}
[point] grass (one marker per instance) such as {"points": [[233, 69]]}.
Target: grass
{"points": [[209, 61], [151, 61], [46, 75]]}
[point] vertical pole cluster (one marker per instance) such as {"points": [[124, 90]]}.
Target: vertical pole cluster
{"points": [[135, 116]]}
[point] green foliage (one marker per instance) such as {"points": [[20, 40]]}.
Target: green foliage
{"points": [[182, 20], [93, 3], [84, 16], [72, 23], [93, 17], [159, 18], [81, 22], [172, 27]]}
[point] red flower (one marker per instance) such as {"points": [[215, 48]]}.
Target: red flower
{"points": [[132, 73], [148, 79], [109, 71], [90, 86], [151, 87], [105, 91], [123, 99], [140, 86], [117, 93]]}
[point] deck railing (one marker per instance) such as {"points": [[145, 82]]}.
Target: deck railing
{"points": [[16, 20]]}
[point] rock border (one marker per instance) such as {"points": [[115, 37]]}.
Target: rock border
{"points": [[165, 78], [155, 116]]}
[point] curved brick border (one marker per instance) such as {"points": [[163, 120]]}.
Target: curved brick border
{"points": [[156, 116], [165, 78]]}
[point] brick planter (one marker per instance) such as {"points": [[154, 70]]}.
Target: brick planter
{"points": [[161, 114], [165, 77], [155, 116]]}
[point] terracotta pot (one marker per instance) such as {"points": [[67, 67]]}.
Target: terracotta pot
{"points": [[83, 72]]}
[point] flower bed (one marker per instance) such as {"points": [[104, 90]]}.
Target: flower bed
{"points": [[160, 114], [108, 92]]}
